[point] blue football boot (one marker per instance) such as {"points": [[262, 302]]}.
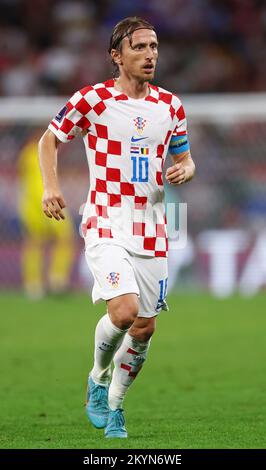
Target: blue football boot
{"points": [[97, 408], [116, 424]]}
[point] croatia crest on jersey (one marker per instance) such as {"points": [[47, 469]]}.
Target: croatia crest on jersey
{"points": [[139, 124], [113, 279]]}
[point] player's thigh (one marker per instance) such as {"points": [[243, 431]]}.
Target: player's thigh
{"points": [[112, 271], [152, 277], [123, 309]]}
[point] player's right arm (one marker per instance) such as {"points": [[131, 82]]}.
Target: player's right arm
{"points": [[70, 121], [53, 200]]}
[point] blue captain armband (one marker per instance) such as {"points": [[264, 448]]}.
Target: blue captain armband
{"points": [[179, 144]]}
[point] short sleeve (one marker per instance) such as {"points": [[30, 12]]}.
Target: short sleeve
{"points": [[72, 119], [179, 140]]}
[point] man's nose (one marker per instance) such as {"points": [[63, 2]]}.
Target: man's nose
{"points": [[149, 53]]}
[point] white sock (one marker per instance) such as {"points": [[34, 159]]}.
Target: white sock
{"points": [[128, 361], [107, 340]]}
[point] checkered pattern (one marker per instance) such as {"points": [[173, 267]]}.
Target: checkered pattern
{"points": [[108, 120]]}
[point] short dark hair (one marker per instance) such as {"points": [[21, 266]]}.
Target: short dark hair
{"points": [[125, 28]]}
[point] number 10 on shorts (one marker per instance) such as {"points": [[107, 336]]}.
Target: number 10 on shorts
{"points": [[140, 169], [163, 288]]}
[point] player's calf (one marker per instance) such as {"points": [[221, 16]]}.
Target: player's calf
{"points": [[128, 362]]}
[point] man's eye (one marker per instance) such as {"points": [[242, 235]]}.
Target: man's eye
{"points": [[138, 47]]}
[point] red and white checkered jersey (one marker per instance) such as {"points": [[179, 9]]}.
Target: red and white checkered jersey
{"points": [[126, 142]]}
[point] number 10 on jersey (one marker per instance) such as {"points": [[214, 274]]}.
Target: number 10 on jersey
{"points": [[140, 169]]}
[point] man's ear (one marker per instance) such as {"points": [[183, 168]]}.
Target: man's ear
{"points": [[116, 57]]}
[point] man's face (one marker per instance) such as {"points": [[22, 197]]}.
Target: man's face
{"points": [[139, 58]]}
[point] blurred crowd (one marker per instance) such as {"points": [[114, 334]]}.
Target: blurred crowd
{"points": [[51, 48]]}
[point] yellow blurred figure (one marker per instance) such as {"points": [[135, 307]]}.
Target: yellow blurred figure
{"points": [[39, 230]]}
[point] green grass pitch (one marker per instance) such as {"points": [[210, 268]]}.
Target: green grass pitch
{"points": [[203, 385]]}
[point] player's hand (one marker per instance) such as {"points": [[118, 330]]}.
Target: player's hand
{"points": [[176, 174], [52, 204]]}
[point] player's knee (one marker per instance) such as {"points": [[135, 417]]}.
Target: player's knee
{"points": [[124, 314]]}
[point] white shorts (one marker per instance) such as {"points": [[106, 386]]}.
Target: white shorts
{"points": [[117, 272]]}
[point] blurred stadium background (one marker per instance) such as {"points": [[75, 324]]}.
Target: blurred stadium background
{"points": [[212, 56]]}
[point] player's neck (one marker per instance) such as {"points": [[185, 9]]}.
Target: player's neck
{"points": [[132, 88]]}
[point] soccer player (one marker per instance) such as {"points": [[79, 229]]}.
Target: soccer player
{"points": [[128, 126]]}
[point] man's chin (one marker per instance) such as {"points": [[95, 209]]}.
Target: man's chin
{"points": [[148, 76]]}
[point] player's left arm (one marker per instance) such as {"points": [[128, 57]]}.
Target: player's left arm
{"points": [[183, 169]]}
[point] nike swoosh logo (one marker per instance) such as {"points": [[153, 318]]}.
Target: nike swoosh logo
{"points": [[139, 138]]}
